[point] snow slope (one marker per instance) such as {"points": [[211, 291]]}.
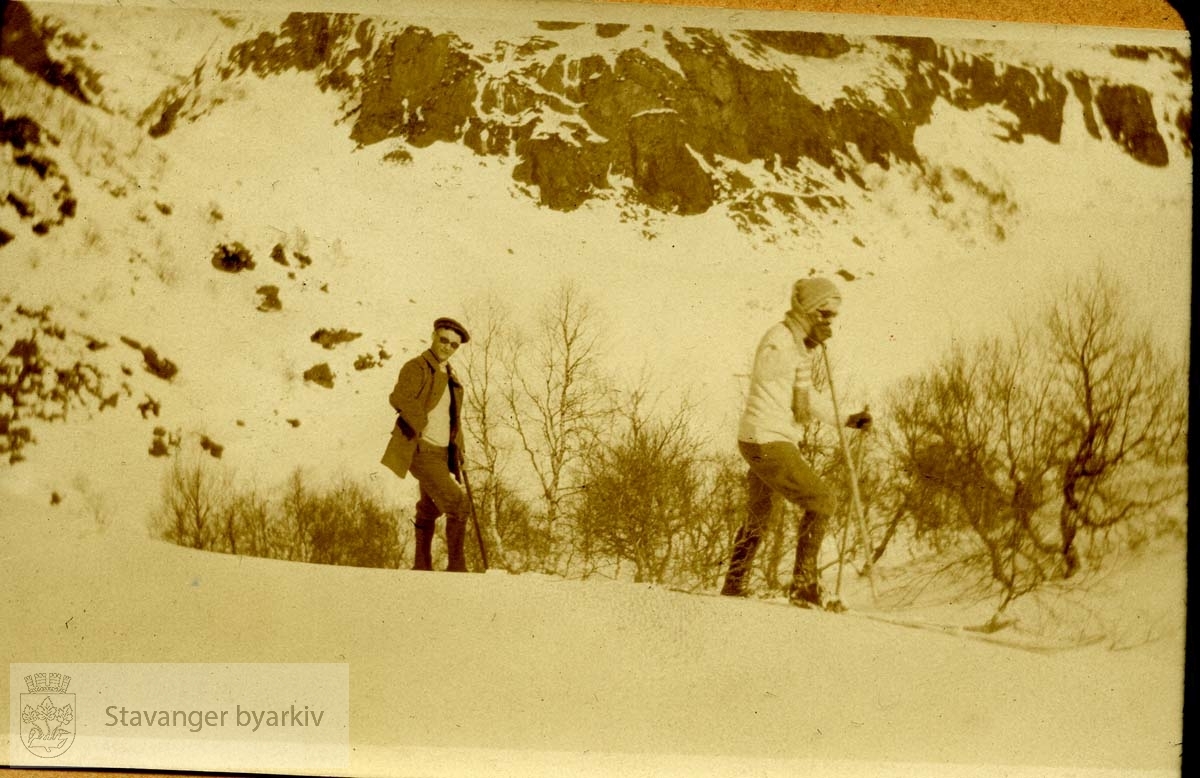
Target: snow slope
{"points": [[529, 675]]}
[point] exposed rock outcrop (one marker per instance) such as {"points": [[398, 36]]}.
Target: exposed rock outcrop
{"points": [[677, 133], [699, 118]]}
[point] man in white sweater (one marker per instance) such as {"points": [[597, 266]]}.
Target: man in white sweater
{"points": [[780, 402]]}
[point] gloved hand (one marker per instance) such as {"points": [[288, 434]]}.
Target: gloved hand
{"points": [[860, 421]]}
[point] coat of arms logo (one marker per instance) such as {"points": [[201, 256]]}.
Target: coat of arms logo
{"points": [[47, 715]]}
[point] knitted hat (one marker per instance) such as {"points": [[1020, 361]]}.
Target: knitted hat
{"points": [[446, 323], [814, 294]]}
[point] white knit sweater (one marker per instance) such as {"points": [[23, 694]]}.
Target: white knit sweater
{"points": [[782, 397]]}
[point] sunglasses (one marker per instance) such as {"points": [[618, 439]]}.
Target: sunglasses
{"points": [[454, 344]]}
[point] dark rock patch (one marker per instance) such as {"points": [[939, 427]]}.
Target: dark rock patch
{"points": [[610, 30], [399, 156], [213, 448], [149, 407], [270, 299], [37, 385], [163, 444], [154, 364], [1128, 114], [807, 44], [418, 86], [232, 258], [328, 339], [23, 42], [320, 375]]}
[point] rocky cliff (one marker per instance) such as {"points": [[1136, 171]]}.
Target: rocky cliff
{"points": [[694, 120], [770, 125]]}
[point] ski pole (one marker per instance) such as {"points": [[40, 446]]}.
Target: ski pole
{"points": [[855, 497], [462, 469], [841, 558]]}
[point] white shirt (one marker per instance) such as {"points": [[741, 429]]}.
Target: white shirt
{"points": [[781, 397], [437, 428]]}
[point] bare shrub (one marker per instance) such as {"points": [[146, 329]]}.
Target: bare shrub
{"points": [[195, 495], [978, 447], [1122, 401], [556, 395], [1029, 443], [534, 402], [514, 538], [483, 416], [643, 488], [345, 523], [708, 539]]}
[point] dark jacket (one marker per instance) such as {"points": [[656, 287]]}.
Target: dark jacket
{"points": [[418, 389]]}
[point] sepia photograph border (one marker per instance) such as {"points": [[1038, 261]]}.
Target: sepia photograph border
{"points": [[948, 18]]}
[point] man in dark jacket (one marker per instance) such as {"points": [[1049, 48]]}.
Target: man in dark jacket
{"points": [[427, 441]]}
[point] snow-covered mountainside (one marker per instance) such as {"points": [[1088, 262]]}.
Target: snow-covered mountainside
{"points": [[775, 127], [195, 196]]}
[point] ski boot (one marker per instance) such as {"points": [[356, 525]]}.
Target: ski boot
{"points": [[810, 594], [423, 551], [744, 547]]}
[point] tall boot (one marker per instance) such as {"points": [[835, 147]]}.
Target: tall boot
{"points": [[423, 552], [456, 530], [806, 577], [745, 545]]}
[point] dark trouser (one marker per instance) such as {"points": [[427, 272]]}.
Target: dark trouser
{"points": [[778, 468], [440, 494]]}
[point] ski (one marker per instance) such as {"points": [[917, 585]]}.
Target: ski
{"points": [[957, 631], [1032, 645]]}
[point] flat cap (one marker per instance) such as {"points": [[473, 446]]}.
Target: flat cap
{"points": [[446, 323]]}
